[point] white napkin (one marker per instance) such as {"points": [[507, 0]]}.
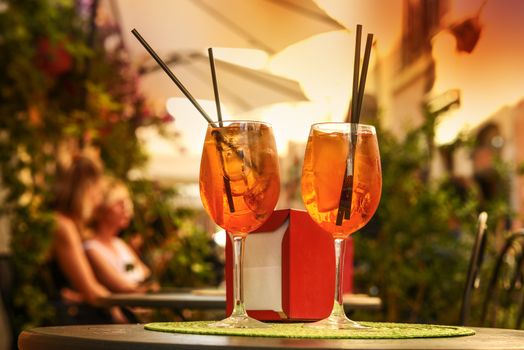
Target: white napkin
{"points": [[263, 270]]}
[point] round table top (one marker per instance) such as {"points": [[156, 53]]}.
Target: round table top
{"points": [[135, 337]]}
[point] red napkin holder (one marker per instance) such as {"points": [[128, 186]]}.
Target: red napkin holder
{"points": [[307, 269]]}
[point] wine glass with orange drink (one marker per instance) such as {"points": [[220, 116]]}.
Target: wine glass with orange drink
{"points": [[341, 188], [239, 180], [239, 188]]}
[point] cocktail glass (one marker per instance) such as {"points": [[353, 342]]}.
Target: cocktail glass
{"points": [[239, 188], [341, 188]]}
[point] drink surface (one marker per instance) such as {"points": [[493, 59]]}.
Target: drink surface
{"points": [[323, 175], [243, 157]]}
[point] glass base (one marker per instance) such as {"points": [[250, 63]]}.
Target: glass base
{"points": [[336, 322], [239, 322]]}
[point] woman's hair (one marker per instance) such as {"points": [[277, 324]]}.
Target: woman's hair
{"points": [[72, 183], [114, 190]]}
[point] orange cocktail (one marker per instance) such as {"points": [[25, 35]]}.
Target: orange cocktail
{"points": [[323, 174], [243, 158], [341, 188], [239, 188]]}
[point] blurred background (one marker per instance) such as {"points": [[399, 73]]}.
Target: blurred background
{"points": [[444, 90]]}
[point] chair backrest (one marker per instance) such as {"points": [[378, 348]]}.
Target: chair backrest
{"points": [[477, 255], [503, 305], [6, 296]]}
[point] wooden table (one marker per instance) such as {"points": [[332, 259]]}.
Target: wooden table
{"points": [[208, 301], [135, 337]]}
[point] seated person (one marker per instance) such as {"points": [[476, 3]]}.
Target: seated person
{"points": [[73, 287], [115, 264]]}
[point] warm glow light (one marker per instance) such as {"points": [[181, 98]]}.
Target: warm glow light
{"points": [[156, 145], [290, 122], [220, 238], [489, 78], [178, 106], [250, 58], [323, 66], [380, 17], [450, 127], [190, 123]]}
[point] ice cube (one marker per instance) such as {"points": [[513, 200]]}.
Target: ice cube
{"points": [[361, 199], [330, 152], [263, 194]]}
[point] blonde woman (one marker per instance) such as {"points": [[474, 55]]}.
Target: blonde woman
{"points": [[115, 264]]}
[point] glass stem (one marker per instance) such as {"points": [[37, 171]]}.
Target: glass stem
{"points": [[238, 286], [338, 306]]}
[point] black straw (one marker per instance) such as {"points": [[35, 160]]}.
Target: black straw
{"points": [[346, 193], [356, 72], [227, 184], [362, 84], [215, 84], [171, 75]]}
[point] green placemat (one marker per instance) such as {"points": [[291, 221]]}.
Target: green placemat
{"points": [[295, 330]]}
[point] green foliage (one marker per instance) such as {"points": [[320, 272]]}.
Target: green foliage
{"points": [[62, 94], [184, 254], [418, 256]]}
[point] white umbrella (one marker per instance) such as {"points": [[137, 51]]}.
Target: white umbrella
{"points": [[241, 89], [269, 25]]}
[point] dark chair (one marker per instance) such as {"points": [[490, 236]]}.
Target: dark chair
{"points": [[504, 302], [475, 262], [6, 294]]}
